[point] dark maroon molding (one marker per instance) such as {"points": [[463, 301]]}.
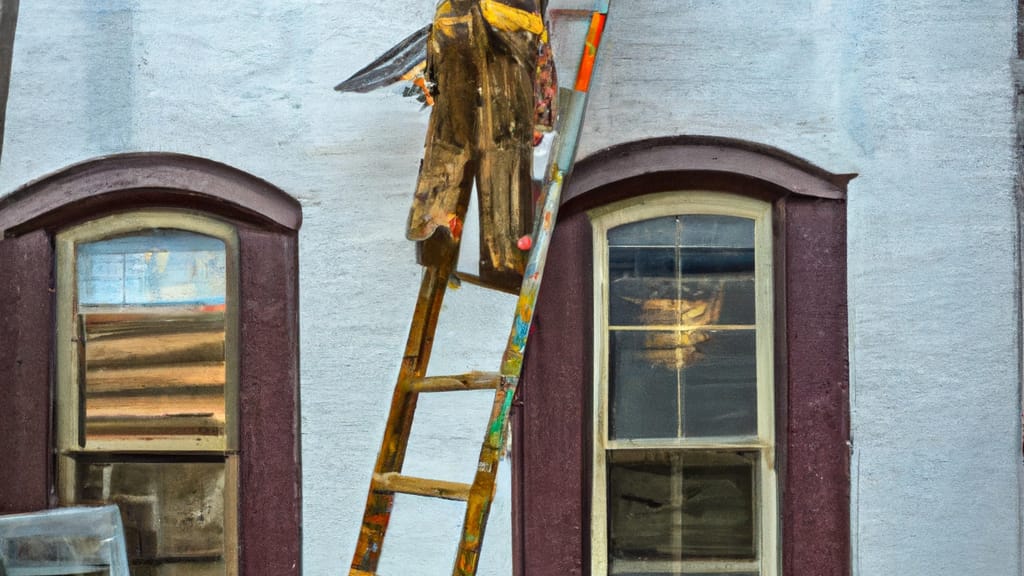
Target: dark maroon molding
{"points": [[26, 347], [710, 159], [816, 482], [552, 423], [150, 178], [270, 484], [551, 435], [267, 221]]}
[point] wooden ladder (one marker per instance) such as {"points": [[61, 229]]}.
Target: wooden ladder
{"points": [[388, 479]]}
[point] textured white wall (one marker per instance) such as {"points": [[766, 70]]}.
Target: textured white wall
{"points": [[913, 95]]}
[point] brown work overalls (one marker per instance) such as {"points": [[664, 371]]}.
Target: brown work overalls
{"points": [[481, 55]]}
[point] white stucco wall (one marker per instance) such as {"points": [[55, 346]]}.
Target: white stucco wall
{"points": [[913, 95]]}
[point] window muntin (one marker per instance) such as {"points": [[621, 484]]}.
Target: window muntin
{"points": [[684, 479], [147, 383]]}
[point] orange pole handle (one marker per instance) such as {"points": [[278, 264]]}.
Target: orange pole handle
{"points": [[590, 51]]}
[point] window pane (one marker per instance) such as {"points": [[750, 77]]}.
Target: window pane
{"points": [[668, 507], [691, 230], [151, 319], [173, 512], [158, 267], [697, 300], [662, 568], [643, 393], [684, 272], [654, 232], [667, 384], [693, 269], [720, 388]]}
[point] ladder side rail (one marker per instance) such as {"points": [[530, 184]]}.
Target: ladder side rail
{"points": [[482, 492]]}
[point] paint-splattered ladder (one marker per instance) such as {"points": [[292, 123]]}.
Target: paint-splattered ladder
{"points": [[387, 477]]}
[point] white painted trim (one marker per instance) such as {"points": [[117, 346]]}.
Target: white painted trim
{"points": [[687, 567], [701, 443]]}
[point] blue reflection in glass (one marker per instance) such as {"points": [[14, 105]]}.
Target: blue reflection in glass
{"points": [[157, 268]]}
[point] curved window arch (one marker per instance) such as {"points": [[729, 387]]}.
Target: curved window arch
{"points": [[227, 408], [557, 468]]}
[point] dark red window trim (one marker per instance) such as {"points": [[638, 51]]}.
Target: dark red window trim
{"points": [[552, 422], [267, 220]]}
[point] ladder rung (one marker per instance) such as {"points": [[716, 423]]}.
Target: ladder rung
{"points": [[471, 381], [395, 482], [478, 281]]}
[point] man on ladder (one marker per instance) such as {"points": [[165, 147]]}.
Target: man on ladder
{"points": [[480, 64], [481, 59]]}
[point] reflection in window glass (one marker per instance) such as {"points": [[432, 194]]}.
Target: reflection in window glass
{"points": [[157, 268], [681, 321], [665, 507], [151, 321], [174, 512], [651, 396]]}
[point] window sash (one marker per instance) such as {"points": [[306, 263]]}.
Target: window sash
{"points": [[69, 410], [676, 203]]}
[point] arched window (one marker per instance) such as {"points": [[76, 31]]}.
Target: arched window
{"points": [[147, 382], [684, 415], [151, 324], [684, 406]]}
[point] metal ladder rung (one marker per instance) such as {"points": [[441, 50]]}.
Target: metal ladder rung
{"points": [[470, 381], [395, 482]]}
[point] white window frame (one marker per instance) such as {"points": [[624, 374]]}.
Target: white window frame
{"points": [[767, 520], [68, 410]]}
